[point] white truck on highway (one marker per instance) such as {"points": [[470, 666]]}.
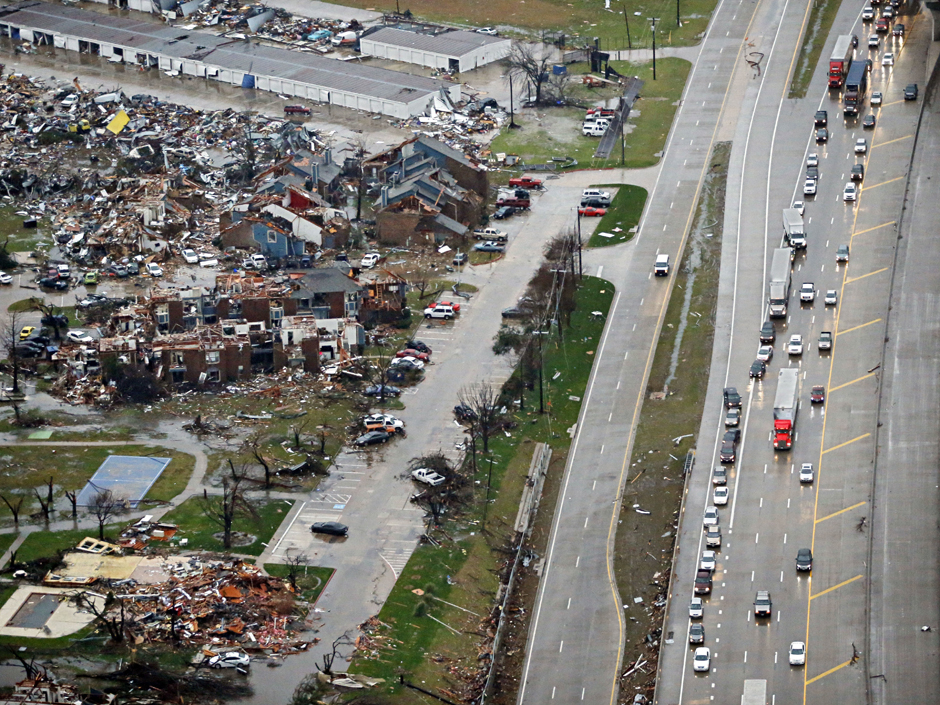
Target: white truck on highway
{"points": [[793, 229], [779, 294], [755, 692]]}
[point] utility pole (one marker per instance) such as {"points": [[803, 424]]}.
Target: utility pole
{"points": [[512, 117], [626, 18], [580, 264], [654, 20], [678, 21]]}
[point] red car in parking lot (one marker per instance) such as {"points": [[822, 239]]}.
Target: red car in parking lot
{"points": [[592, 212], [424, 357], [453, 304]]}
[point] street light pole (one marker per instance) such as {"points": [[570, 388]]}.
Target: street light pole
{"points": [[678, 21], [626, 18]]}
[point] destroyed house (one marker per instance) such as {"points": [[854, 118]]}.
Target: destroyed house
{"points": [[203, 356], [272, 235], [426, 209], [423, 154], [323, 173], [253, 300], [327, 293], [297, 344]]}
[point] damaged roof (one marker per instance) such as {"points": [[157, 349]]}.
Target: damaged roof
{"points": [[325, 281]]}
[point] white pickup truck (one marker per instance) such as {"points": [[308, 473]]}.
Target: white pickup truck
{"points": [[490, 234], [428, 477]]}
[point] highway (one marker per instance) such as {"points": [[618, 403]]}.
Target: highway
{"points": [[772, 514]]}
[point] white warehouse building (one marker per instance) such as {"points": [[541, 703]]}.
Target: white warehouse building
{"points": [[455, 50], [248, 64]]}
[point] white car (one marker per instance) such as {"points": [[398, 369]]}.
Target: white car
{"points": [[888, 12], [765, 353], [190, 256], [408, 361], [861, 145], [232, 659], [708, 562], [370, 259], [383, 419], [868, 13], [874, 41], [732, 418], [888, 59], [851, 192], [79, 336], [490, 31], [721, 495], [808, 292], [702, 660], [812, 160], [711, 516], [876, 98], [5, 278], [795, 346], [809, 187], [154, 269], [832, 297], [806, 472], [798, 205], [797, 653], [696, 608], [439, 311]]}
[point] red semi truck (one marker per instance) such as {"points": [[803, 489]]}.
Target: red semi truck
{"points": [[786, 405], [841, 60]]}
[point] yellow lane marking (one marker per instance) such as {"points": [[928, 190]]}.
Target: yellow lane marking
{"points": [[893, 102], [827, 673], [850, 330], [841, 511], [868, 230], [848, 384], [843, 445], [836, 587], [882, 144], [855, 279], [889, 181]]}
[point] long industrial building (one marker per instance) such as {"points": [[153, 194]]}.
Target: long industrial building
{"points": [[236, 61], [455, 50]]}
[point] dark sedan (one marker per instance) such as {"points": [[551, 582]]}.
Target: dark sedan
{"points": [[333, 528], [376, 390], [804, 559], [869, 122], [729, 446], [57, 284], [767, 332], [419, 346], [758, 368], [514, 312], [504, 212], [372, 438], [822, 135]]}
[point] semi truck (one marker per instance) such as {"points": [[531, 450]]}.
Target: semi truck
{"points": [[779, 293], [841, 59], [793, 228], [856, 85], [786, 406]]}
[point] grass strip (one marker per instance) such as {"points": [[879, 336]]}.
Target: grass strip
{"points": [[821, 17], [200, 529], [45, 544], [625, 210], [311, 579], [675, 398]]}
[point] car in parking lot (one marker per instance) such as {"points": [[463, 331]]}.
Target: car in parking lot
{"points": [[232, 659], [382, 421], [720, 495], [887, 59], [515, 312], [26, 331], [489, 246], [460, 259], [822, 135], [809, 187], [428, 477], [407, 363], [876, 98], [758, 368], [806, 472], [5, 278], [333, 528], [733, 417], [804, 559], [190, 256], [702, 660], [808, 292], [417, 354], [58, 320], [765, 353], [729, 446], [795, 346], [768, 333], [372, 438], [696, 633], [370, 259], [850, 192], [54, 283], [708, 561], [592, 211], [842, 253], [910, 91], [720, 475], [445, 312], [696, 608], [504, 212], [817, 395], [797, 653], [79, 336], [858, 172], [378, 390], [713, 537]]}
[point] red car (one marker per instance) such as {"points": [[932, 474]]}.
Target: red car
{"points": [[453, 304], [424, 357], [818, 395], [881, 25], [296, 110], [526, 182], [591, 211]]}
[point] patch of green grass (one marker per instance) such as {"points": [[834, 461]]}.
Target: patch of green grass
{"points": [[680, 368], [6, 540], [174, 478], [559, 134], [625, 210], [821, 17], [22, 239], [30, 305], [45, 544], [199, 529], [311, 581]]}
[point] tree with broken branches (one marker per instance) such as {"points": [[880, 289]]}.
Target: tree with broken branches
{"points": [[10, 326], [52, 313], [104, 505], [222, 509], [482, 398], [109, 611], [253, 444], [295, 562], [532, 64], [14, 508]]}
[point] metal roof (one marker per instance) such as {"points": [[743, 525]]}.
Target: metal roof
{"points": [[221, 52], [451, 44]]}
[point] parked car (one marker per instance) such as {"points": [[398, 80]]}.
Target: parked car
{"points": [[514, 312], [90, 279], [79, 336], [377, 390], [460, 259], [333, 528], [27, 331], [592, 212], [428, 477], [464, 413], [57, 320], [489, 31], [804, 559], [445, 302], [526, 182], [417, 354], [5, 278], [116, 270], [504, 212], [370, 259], [154, 270], [190, 256], [372, 438], [57, 284], [296, 110], [232, 659], [409, 363], [419, 346], [445, 312], [489, 246]]}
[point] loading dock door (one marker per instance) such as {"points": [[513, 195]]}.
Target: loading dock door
{"points": [[248, 81]]}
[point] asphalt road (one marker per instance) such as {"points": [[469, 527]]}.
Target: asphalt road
{"points": [[771, 514]]}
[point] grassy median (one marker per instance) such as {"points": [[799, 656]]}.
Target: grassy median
{"points": [[821, 16]]}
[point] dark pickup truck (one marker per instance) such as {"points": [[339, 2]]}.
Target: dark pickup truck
{"points": [[514, 202]]}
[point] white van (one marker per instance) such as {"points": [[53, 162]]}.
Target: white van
{"points": [[595, 130], [595, 193], [661, 267]]}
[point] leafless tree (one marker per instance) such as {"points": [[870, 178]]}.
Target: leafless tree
{"points": [[254, 446], [14, 508], [482, 400], [326, 664], [222, 509], [104, 506], [109, 612], [533, 64], [375, 369], [10, 327], [49, 312], [44, 506], [294, 564], [73, 499]]}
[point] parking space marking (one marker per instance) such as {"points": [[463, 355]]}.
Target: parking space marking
{"points": [[827, 673], [841, 511], [855, 328], [842, 445], [855, 279]]}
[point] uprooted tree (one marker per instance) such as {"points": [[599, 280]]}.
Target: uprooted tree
{"points": [[108, 610], [437, 499], [222, 509]]}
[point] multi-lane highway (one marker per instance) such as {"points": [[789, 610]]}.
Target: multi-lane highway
{"points": [[772, 514]]}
